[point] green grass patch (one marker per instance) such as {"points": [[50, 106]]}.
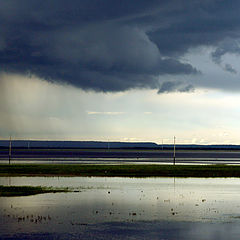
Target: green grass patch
{"points": [[13, 191], [131, 170]]}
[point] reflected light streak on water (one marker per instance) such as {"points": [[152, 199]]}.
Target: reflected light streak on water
{"points": [[179, 161]]}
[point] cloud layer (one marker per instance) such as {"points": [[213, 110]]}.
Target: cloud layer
{"points": [[115, 45]]}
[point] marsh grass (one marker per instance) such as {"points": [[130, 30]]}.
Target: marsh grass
{"points": [[12, 191], [126, 170]]}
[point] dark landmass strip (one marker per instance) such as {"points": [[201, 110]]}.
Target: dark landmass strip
{"points": [[33, 144], [13, 191], [127, 170]]}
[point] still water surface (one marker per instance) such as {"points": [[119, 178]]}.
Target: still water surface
{"points": [[123, 208]]}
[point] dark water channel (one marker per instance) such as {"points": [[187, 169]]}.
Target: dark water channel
{"points": [[123, 208]]}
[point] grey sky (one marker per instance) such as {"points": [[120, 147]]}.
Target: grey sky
{"points": [[143, 70]]}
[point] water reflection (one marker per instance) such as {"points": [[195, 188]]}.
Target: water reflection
{"points": [[105, 202]]}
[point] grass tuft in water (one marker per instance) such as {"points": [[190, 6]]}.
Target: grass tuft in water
{"points": [[13, 191]]}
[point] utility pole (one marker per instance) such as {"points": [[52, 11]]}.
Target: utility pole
{"points": [[174, 150], [10, 150]]}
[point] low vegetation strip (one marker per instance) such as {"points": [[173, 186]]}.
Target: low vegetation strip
{"points": [[12, 191], [120, 170]]}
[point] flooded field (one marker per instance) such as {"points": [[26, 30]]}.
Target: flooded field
{"points": [[118, 156], [123, 208]]}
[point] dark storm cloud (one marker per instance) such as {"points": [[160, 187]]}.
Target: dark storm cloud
{"points": [[113, 45], [231, 46], [175, 86], [229, 68]]}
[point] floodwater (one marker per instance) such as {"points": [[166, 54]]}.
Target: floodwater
{"points": [[123, 208], [119, 156]]}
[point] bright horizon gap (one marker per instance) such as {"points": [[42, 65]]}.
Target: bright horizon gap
{"points": [[47, 111]]}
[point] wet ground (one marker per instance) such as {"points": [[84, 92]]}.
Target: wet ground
{"points": [[109, 156], [123, 208]]}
